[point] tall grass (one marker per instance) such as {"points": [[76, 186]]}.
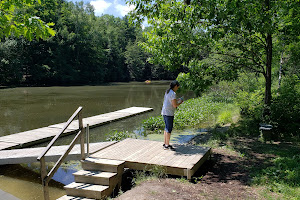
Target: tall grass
{"points": [[196, 112]]}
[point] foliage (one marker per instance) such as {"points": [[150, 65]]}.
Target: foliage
{"points": [[17, 19], [194, 113], [285, 108], [195, 80], [225, 117], [273, 167], [120, 135], [281, 173], [10, 68], [154, 123], [227, 36], [149, 173], [86, 49]]}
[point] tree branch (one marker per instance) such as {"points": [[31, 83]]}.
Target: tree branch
{"points": [[246, 66]]}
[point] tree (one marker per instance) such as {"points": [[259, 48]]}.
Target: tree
{"points": [[16, 19], [224, 34]]}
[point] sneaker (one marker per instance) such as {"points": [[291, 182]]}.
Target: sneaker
{"points": [[165, 147], [171, 147]]}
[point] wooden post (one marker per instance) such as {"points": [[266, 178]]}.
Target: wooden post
{"points": [[44, 178], [188, 174], [82, 135]]}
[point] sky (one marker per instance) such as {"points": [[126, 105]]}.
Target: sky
{"points": [[117, 8]]}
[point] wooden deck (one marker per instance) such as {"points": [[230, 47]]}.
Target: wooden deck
{"points": [[28, 138], [138, 154], [29, 155]]}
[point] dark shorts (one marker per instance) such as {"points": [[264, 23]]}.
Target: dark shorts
{"points": [[169, 123]]}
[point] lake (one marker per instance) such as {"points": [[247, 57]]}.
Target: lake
{"points": [[29, 108]]}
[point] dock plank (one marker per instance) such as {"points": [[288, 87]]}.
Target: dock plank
{"points": [[139, 154], [29, 155], [8, 145]]}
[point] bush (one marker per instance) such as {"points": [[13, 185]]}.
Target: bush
{"points": [[225, 117], [120, 135], [154, 123], [285, 108]]}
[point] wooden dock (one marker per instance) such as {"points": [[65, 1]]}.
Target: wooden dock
{"points": [[29, 155], [138, 154], [28, 138]]}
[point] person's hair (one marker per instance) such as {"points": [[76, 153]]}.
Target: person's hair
{"points": [[172, 85]]}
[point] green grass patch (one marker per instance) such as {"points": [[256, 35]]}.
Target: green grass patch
{"points": [[280, 173], [196, 112]]}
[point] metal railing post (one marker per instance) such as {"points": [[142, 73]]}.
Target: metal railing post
{"points": [[87, 140], [81, 136], [46, 177]]}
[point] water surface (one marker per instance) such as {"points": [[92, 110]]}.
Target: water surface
{"points": [[27, 108]]}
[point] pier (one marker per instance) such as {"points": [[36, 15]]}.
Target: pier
{"points": [[32, 137], [104, 166]]}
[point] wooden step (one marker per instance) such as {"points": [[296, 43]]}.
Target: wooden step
{"points": [[103, 165], [87, 190], [67, 197], [96, 177]]}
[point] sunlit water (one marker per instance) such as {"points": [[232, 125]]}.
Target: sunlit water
{"points": [[27, 108]]}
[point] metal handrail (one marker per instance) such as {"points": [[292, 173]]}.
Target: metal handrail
{"points": [[46, 177]]}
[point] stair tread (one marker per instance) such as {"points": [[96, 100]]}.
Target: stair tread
{"points": [[68, 197], [98, 174], [86, 186], [104, 161]]}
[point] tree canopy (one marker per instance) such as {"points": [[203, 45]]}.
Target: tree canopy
{"points": [[17, 18], [86, 49], [214, 38]]}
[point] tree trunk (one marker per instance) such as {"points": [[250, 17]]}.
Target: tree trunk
{"points": [[268, 74], [280, 70]]}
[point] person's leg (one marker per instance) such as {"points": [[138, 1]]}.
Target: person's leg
{"points": [[165, 137], [168, 136], [167, 133]]}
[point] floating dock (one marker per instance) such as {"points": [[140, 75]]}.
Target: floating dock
{"points": [[29, 138], [139, 154]]}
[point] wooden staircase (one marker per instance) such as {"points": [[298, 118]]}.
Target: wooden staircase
{"points": [[97, 180]]}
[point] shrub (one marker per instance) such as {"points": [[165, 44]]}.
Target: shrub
{"points": [[285, 108], [154, 123], [120, 135], [224, 117]]}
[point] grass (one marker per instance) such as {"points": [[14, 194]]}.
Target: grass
{"points": [[193, 113], [274, 166], [149, 173], [280, 173]]}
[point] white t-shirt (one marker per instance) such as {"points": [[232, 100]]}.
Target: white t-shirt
{"points": [[168, 108]]}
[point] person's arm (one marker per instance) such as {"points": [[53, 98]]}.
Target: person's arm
{"points": [[175, 104]]}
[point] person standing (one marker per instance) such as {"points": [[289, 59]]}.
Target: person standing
{"points": [[169, 106]]}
